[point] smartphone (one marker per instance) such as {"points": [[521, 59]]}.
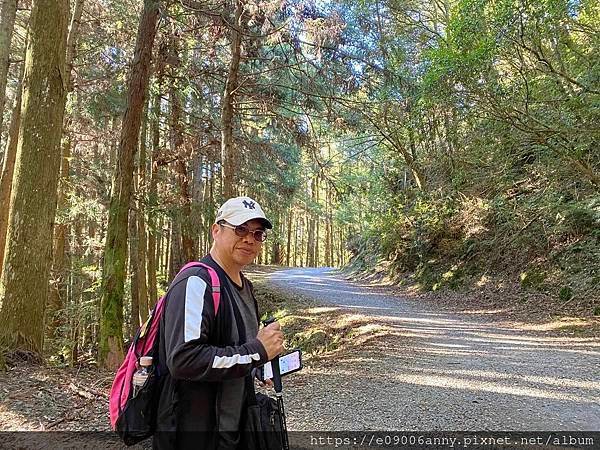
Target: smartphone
{"points": [[289, 363]]}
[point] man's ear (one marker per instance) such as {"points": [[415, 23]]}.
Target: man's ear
{"points": [[214, 230]]}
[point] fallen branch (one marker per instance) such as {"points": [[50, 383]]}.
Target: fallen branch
{"points": [[568, 301], [56, 422], [86, 392]]}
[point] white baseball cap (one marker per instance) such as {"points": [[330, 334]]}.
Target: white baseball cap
{"points": [[239, 210]]}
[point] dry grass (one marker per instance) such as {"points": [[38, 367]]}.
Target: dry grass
{"points": [[317, 330]]}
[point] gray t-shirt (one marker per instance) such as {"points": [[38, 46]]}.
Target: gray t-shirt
{"points": [[232, 397], [245, 303]]}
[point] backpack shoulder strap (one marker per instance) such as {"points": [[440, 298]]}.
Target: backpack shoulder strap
{"points": [[215, 284]]}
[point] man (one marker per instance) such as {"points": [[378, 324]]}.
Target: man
{"points": [[202, 400]]}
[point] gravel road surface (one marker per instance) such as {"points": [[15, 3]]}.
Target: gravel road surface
{"points": [[438, 371]]}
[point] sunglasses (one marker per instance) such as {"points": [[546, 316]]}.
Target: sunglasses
{"points": [[243, 231]]}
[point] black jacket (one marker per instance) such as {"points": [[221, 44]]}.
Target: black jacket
{"points": [[197, 357]]}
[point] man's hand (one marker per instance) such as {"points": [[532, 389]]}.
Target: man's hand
{"points": [[267, 383], [271, 338]]}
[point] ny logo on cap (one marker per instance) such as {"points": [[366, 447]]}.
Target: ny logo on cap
{"points": [[249, 205]]}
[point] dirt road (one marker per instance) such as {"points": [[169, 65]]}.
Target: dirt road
{"points": [[438, 371]]}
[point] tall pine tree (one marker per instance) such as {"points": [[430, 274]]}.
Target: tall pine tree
{"points": [[24, 282]]}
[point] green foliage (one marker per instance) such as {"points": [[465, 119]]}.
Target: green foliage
{"points": [[444, 242], [565, 293], [532, 279], [580, 218], [499, 110], [451, 279]]}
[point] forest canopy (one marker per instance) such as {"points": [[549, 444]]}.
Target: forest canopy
{"points": [[445, 142]]}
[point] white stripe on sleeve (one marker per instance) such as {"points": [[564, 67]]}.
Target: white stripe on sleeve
{"points": [[194, 304], [225, 362]]}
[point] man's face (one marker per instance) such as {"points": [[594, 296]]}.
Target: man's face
{"points": [[236, 250]]}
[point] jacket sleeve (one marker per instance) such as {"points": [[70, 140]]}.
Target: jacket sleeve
{"points": [[188, 321]]}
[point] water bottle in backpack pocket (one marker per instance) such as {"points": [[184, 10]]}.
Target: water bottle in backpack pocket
{"points": [[140, 378]]}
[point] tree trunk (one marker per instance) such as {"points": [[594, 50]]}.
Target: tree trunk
{"points": [[276, 257], [176, 258], [7, 26], [316, 225], [115, 252], [78, 284], [188, 243], [330, 240], [112, 156], [302, 240], [227, 113], [289, 237], [59, 273], [209, 199], [8, 167], [60, 263], [153, 201], [197, 229], [341, 259], [134, 270], [327, 229], [159, 246], [410, 160], [310, 222], [327, 241], [166, 248], [296, 229], [310, 248], [74, 329], [153, 230], [141, 227], [187, 251], [24, 282], [71, 41], [160, 264]]}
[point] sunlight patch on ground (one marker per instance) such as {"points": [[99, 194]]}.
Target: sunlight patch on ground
{"points": [[424, 320], [350, 320], [323, 291], [369, 328], [11, 421], [449, 345], [565, 322], [484, 311], [368, 308], [447, 381], [483, 280], [417, 332], [535, 340], [443, 381], [321, 310], [450, 353], [594, 385], [362, 335], [40, 376]]}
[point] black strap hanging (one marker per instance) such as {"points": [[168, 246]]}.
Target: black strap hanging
{"points": [[273, 436]]}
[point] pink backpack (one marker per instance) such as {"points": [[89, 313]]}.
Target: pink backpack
{"points": [[133, 417]]}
